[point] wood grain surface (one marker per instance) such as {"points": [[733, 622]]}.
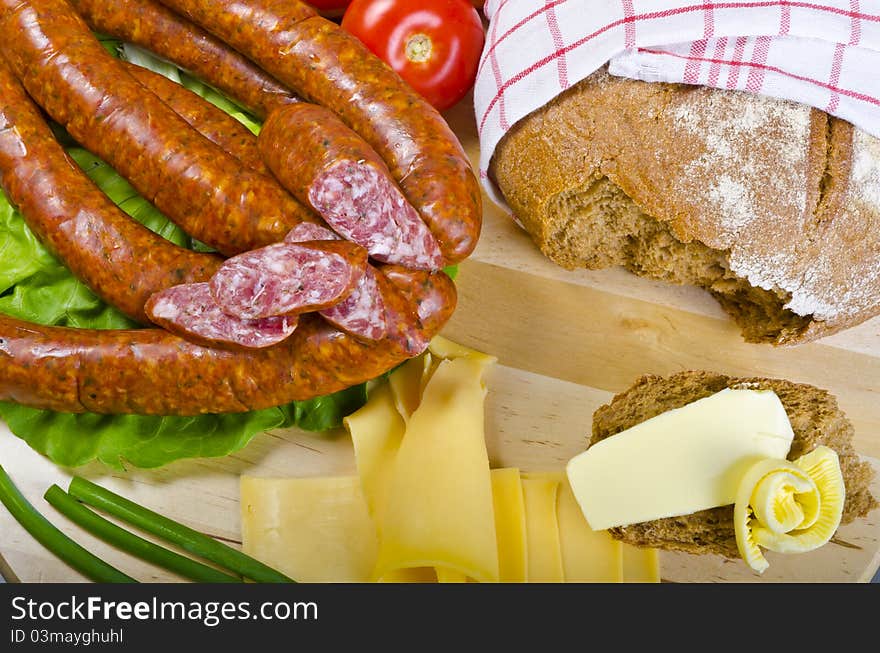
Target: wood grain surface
{"points": [[566, 342]]}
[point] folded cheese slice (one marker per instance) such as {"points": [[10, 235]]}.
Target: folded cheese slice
{"points": [[640, 565], [376, 432], [438, 505]]}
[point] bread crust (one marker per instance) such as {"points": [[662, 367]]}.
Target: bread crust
{"points": [[772, 201], [815, 419]]}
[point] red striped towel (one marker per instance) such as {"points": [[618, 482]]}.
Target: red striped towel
{"points": [[824, 53]]}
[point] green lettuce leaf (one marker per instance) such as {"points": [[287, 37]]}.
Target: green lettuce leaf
{"points": [[35, 287]]}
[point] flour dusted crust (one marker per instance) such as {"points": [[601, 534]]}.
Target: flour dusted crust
{"points": [[770, 205]]}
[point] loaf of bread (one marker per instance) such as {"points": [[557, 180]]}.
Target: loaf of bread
{"points": [[815, 419], [771, 206]]}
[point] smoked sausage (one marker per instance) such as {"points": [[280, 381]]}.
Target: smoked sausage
{"points": [[154, 27], [331, 169], [153, 372], [204, 190], [217, 126], [429, 293], [362, 313], [324, 64], [122, 261]]}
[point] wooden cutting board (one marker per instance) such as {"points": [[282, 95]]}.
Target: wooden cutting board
{"points": [[566, 342]]}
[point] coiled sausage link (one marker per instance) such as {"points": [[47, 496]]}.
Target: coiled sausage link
{"points": [[120, 260], [325, 65], [217, 126], [152, 372], [192, 181], [328, 167], [154, 27]]}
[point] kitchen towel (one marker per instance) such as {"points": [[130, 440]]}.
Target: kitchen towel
{"points": [[824, 53]]}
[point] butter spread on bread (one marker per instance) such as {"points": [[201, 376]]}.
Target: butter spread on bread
{"points": [[681, 461], [816, 421]]}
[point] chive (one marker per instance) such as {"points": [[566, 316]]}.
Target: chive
{"points": [[131, 543], [53, 539], [174, 532]]}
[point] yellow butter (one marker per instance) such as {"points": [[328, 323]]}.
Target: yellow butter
{"points": [[788, 507], [510, 525], [681, 461], [312, 529], [542, 528]]}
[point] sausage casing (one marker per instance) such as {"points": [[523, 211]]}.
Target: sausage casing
{"points": [[122, 261], [328, 66], [154, 27], [204, 190], [217, 126], [151, 371]]}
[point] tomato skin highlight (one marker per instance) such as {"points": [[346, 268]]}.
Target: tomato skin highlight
{"points": [[434, 45]]}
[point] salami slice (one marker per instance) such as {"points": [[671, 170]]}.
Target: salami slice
{"points": [[189, 310], [362, 313], [306, 231], [288, 278]]}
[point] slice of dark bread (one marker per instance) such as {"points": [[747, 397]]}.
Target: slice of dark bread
{"points": [[815, 419]]}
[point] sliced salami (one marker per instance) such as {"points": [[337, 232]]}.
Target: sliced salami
{"points": [[306, 231], [189, 310], [288, 278], [362, 313], [327, 165], [366, 207]]}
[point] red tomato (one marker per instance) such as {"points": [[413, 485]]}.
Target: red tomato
{"points": [[434, 45], [328, 5]]}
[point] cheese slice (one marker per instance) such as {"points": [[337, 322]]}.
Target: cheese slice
{"points": [[412, 575], [408, 382], [446, 575], [680, 461], [440, 347], [376, 432], [640, 565], [438, 503], [588, 556], [312, 529], [510, 525], [542, 529]]}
